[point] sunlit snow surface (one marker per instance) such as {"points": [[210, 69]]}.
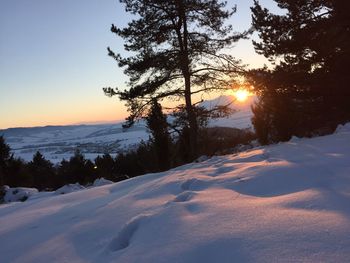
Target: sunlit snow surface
{"points": [[282, 203]]}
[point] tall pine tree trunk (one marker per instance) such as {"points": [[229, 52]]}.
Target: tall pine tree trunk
{"points": [[192, 120], [185, 65]]}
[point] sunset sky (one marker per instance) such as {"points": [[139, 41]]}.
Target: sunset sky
{"points": [[54, 63]]}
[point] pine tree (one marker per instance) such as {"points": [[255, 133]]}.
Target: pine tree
{"points": [[160, 139], [105, 167], [4, 157], [177, 47], [77, 169], [42, 172], [310, 47], [12, 170], [16, 174]]}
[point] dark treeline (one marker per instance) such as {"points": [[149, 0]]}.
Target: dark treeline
{"points": [[160, 153], [167, 147]]}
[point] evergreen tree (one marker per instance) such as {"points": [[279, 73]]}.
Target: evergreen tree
{"points": [[136, 162], [77, 169], [310, 47], [4, 158], [177, 47], [16, 173], [160, 138], [42, 172], [12, 170], [261, 121], [106, 167]]}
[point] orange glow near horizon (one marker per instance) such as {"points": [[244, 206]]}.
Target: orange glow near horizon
{"points": [[98, 110]]}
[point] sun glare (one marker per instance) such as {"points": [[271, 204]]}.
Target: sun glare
{"points": [[241, 95]]}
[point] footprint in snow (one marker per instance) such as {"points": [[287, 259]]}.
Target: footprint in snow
{"points": [[188, 184], [184, 197], [195, 184], [125, 236]]}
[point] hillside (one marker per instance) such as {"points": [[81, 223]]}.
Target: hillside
{"points": [[58, 142], [282, 203]]}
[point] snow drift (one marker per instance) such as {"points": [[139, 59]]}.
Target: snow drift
{"points": [[282, 203], [18, 194]]}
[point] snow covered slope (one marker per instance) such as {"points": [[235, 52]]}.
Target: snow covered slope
{"points": [[58, 142], [283, 203]]}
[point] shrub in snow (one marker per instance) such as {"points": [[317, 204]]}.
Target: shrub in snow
{"points": [[102, 181], [18, 194], [69, 188]]}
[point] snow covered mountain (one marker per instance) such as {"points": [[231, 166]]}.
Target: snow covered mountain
{"points": [[241, 118], [282, 203], [58, 142]]}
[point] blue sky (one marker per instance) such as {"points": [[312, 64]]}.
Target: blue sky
{"points": [[54, 63]]}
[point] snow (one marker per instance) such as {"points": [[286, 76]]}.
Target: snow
{"points": [[343, 128], [282, 203], [18, 194], [101, 182], [69, 188]]}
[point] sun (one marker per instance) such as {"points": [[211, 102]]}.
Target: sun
{"points": [[241, 95]]}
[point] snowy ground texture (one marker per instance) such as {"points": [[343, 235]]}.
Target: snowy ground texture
{"points": [[282, 203]]}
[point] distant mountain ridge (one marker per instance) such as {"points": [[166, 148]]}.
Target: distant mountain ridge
{"points": [[60, 141]]}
